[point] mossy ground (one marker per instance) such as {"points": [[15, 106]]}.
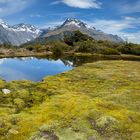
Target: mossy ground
{"points": [[99, 100]]}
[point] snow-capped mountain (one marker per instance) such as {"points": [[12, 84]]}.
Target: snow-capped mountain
{"points": [[23, 33], [26, 28], [73, 24], [17, 34]]}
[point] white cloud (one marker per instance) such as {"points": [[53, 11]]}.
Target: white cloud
{"points": [[2, 60], [119, 26], [8, 7], [84, 4]]}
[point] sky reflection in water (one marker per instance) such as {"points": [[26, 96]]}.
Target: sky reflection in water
{"points": [[30, 68]]}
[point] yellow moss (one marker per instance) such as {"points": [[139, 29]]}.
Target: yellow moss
{"points": [[74, 99]]}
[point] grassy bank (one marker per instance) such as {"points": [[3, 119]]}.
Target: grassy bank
{"points": [[115, 57], [95, 101], [22, 53], [8, 53]]}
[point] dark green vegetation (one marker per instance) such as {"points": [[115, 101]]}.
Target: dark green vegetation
{"points": [[95, 101], [73, 43], [78, 42]]}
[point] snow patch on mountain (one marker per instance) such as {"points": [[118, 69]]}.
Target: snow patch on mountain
{"points": [[26, 28], [75, 22], [3, 24]]}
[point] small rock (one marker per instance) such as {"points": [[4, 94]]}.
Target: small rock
{"points": [[6, 91]]}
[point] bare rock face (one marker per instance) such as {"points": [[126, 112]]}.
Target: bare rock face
{"points": [[6, 91]]}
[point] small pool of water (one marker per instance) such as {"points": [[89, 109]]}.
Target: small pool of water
{"points": [[31, 68], [35, 69]]}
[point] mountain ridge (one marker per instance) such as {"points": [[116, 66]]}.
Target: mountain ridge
{"points": [[73, 24], [22, 33], [17, 34]]}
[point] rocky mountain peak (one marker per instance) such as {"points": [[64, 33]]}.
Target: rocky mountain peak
{"points": [[74, 22], [26, 28]]}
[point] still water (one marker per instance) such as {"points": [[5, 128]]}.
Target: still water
{"points": [[31, 68], [35, 69]]}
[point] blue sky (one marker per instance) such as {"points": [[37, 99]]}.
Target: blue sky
{"points": [[121, 17]]}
